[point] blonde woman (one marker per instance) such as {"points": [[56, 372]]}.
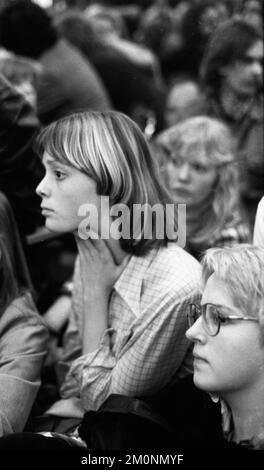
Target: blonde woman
{"points": [[126, 328], [221, 406], [228, 336], [197, 162]]}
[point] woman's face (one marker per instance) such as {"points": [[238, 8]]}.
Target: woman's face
{"points": [[190, 180], [232, 361], [63, 190]]}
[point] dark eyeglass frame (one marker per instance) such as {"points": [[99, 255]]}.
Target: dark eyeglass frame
{"points": [[195, 311]]}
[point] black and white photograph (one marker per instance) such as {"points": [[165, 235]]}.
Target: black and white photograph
{"points": [[131, 233]]}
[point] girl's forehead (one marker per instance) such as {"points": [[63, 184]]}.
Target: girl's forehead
{"points": [[191, 155], [51, 159]]}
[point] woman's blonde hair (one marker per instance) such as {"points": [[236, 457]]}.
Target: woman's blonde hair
{"points": [[213, 141], [111, 149], [241, 268]]}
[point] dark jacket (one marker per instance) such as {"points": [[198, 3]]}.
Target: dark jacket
{"points": [[20, 168], [69, 83], [179, 417]]}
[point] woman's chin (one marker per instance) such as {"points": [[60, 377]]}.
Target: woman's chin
{"points": [[58, 228], [182, 199]]}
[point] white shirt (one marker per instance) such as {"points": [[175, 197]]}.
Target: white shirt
{"points": [[258, 235]]}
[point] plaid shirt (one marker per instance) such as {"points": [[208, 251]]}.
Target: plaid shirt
{"points": [[145, 346]]}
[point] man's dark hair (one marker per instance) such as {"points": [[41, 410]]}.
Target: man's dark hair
{"points": [[227, 45], [26, 29]]}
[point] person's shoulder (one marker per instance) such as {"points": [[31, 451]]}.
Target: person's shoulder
{"points": [[236, 230], [21, 310], [174, 257], [175, 268]]}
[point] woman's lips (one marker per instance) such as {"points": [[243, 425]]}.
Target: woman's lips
{"points": [[46, 210]]}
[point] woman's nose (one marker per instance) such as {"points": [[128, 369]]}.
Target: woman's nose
{"points": [[42, 189], [184, 172], [196, 332]]}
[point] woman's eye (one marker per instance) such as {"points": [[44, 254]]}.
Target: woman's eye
{"points": [[59, 174], [199, 168], [223, 319], [177, 162]]}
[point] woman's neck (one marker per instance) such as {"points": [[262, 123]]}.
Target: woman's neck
{"points": [[247, 413], [197, 216], [117, 252], [114, 246]]}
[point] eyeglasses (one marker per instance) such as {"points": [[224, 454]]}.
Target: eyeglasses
{"points": [[213, 318]]}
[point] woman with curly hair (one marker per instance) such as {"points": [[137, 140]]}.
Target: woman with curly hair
{"points": [[197, 162]]}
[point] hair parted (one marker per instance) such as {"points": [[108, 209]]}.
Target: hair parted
{"points": [[241, 268], [111, 149], [212, 141]]}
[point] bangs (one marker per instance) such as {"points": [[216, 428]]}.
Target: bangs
{"points": [[63, 142], [201, 139]]}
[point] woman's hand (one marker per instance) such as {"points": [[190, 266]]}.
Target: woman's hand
{"points": [[97, 265], [99, 273]]}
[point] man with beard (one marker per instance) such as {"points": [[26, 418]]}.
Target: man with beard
{"points": [[232, 77]]}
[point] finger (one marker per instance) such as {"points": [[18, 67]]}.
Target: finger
{"points": [[86, 250], [102, 248], [86, 233]]}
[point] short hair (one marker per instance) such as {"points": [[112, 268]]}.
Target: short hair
{"points": [[241, 268], [213, 140], [14, 274], [26, 29], [227, 45], [111, 149]]}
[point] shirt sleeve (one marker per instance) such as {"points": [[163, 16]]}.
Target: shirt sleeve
{"points": [[22, 352], [153, 350]]}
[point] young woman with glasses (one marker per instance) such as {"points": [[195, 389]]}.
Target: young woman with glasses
{"points": [[228, 335]]}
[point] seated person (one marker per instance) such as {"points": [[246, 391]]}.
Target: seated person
{"points": [[126, 326], [22, 332], [224, 407], [258, 236], [227, 331], [198, 165]]}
